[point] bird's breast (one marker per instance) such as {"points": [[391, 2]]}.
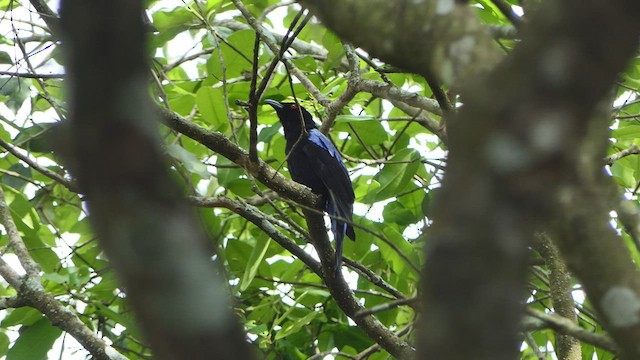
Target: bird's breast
{"points": [[305, 170]]}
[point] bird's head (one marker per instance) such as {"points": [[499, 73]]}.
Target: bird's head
{"points": [[289, 115]]}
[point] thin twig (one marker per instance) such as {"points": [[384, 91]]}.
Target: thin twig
{"points": [[32, 75], [334, 107], [413, 302], [72, 186], [566, 326], [632, 150]]}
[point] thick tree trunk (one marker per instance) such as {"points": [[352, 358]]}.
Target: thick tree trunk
{"points": [[149, 233]]}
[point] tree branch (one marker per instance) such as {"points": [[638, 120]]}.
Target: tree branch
{"points": [[632, 150], [48, 16], [220, 144], [153, 241], [560, 287], [345, 298], [392, 93], [256, 217], [12, 302], [69, 184], [334, 107], [31, 292], [15, 240], [32, 76], [406, 42], [259, 219], [565, 326]]}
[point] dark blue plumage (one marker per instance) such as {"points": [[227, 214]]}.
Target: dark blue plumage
{"points": [[315, 162]]}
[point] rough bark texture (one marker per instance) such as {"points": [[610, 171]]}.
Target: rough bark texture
{"points": [[344, 297], [149, 233], [443, 38], [593, 250], [513, 151], [560, 285]]}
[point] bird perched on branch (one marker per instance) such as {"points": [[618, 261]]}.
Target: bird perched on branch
{"points": [[314, 161]]}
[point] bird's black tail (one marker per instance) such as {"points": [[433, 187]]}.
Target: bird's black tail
{"points": [[339, 228]]}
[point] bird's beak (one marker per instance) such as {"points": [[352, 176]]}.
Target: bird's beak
{"points": [[276, 105]]}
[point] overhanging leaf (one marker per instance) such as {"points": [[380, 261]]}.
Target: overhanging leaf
{"points": [[189, 160], [211, 104], [257, 256], [296, 325], [396, 176], [369, 130], [34, 341]]}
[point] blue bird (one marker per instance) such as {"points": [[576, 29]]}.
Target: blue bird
{"points": [[314, 161]]}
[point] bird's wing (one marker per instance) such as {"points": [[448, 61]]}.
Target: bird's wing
{"points": [[331, 169], [334, 175]]}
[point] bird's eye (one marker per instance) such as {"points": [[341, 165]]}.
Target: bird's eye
{"points": [[293, 107]]}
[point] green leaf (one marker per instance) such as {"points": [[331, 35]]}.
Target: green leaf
{"points": [[287, 313], [23, 316], [38, 138], [17, 89], [7, 5], [211, 104], [190, 161], [178, 17], [365, 187], [24, 214], [395, 212], [409, 209], [398, 263], [45, 257], [211, 4], [267, 133], [306, 63], [334, 87], [241, 187], [56, 278], [35, 341], [369, 130], [227, 175], [4, 343], [395, 177], [351, 337], [46, 236], [630, 132], [355, 118], [5, 58], [181, 101], [335, 50], [107, 286], [119, 318], [237, 254], [294, 326], [170, 23], [326, 341], [427, 202], [17, 181], [622, 172], [256, 258], [237, 58], [261, 329]]}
